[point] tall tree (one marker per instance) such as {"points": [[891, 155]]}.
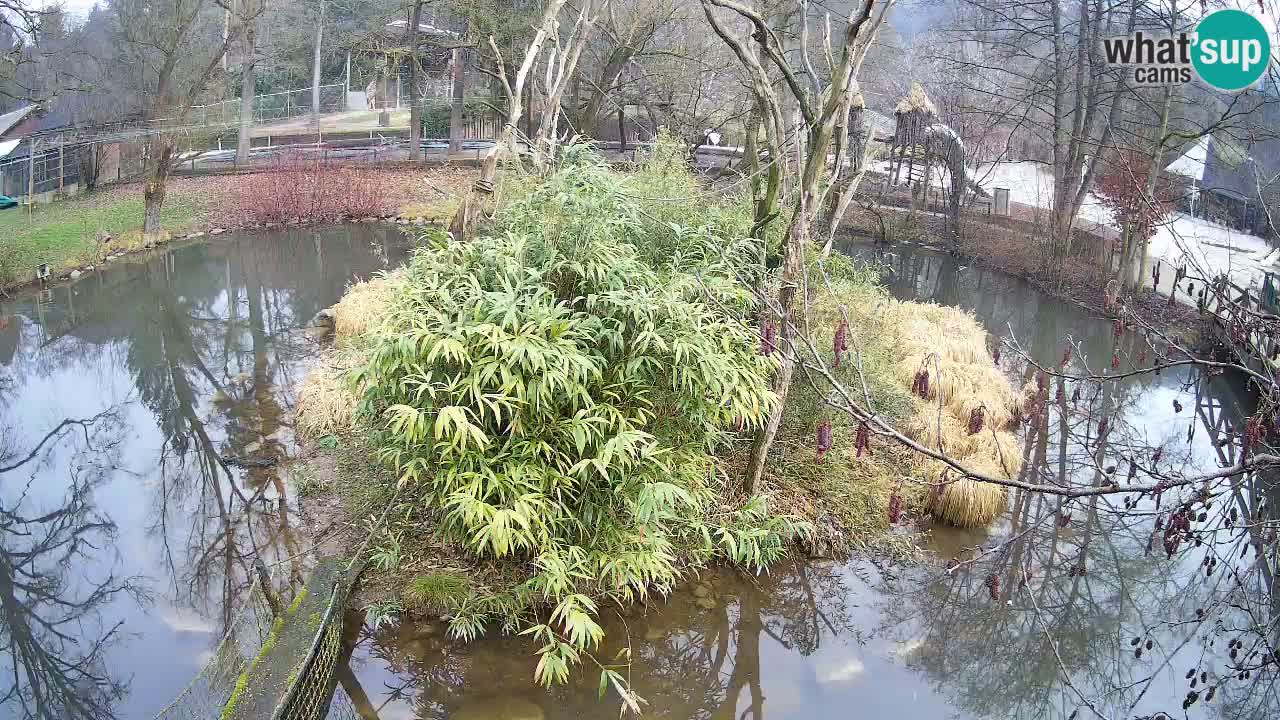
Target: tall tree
{"points": [[178, 45]]}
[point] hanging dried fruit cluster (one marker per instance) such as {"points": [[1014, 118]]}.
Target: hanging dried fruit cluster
{"points": [[993, 586], [768, 337], [862, 439], [1252, 434], [995, 354], [920, 385], [895, 504], [977, 417], [824, 438], [1177, 530]]}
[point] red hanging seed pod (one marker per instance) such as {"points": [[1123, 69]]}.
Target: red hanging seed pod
{"points": [[1064, 519], [841, 340], [1155, 457], [1252, 434], [920, 385], [895, 505], [768, 338], [862, 440], [1178, 527], [824, 438], [976, 419], [1117, 328], [993, 586], [1115, 360], [1066, 356]]}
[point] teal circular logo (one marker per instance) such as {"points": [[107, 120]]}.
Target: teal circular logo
{"points": [[1231, 50]]}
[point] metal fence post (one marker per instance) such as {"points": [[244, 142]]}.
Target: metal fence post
{"points": [[31, 178]]}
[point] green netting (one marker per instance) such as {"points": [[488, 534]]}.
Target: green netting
{"points": [[308, 695], [268, 666], [207, 693]]}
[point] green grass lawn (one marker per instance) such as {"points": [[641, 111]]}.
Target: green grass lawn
{"points": [[65, 233]]}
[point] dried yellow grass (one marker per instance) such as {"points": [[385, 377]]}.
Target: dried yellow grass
{"points": [[365, 306], [969, 503], [951, 344], [916, 101], [326, 402]]}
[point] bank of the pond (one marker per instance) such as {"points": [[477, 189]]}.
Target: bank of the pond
{"points": [[1010, 249], [79, 235]]}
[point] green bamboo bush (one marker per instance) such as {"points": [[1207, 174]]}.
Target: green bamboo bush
{"points": [[553, 394]]}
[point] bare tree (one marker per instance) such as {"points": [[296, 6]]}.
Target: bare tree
{"points": [[824, 106], [176, 45]]}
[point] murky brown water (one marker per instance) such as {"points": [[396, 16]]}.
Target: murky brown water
{"points": [[852, 640], [130, 403]]}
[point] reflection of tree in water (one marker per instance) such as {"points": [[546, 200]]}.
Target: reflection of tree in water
{"points": [[220, 336], [51, 633], [696, 657], [1074, 582]]}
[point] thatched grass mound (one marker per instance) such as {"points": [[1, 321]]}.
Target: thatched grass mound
{"points": [[950, 345], [327, 399], [847, 495]]}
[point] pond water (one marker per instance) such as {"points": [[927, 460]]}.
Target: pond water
{"points": [[825, 639], [142, 411]]}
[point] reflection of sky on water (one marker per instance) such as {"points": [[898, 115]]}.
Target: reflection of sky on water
{"points": [[152, 342]]}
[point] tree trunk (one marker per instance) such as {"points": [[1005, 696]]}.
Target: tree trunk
{"points": [[1153, 176], [158, 158], [248, 88], [415, 68], [315, 69], [456, 103], [789, 284]]}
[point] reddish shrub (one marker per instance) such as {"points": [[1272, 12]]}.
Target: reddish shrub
{"points": [[302, 189]]}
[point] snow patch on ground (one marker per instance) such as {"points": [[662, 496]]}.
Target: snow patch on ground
{"points": [[1206, 248]]}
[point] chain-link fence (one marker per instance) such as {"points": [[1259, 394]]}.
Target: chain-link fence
{"points": [[45, 169], [272, 106]]}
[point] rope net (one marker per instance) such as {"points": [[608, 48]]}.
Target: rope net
{"points": [[207, 693], [268, 665]]}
